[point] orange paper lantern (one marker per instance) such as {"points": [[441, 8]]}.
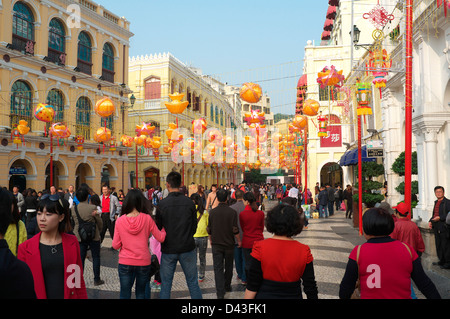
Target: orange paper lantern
{"points": [[251, 92], [44, 113], [60, 130], [311, 107], [127, 141], [300, 122], [103, 135], [105, 107]]}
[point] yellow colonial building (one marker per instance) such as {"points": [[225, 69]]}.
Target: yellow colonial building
{"points": [[152, 78], [67, 54]]}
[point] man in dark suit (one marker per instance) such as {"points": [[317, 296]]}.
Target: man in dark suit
{"points": [[223, 233], [439, 227]]}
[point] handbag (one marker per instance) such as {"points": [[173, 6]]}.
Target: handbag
{"points": [[154, 266]]}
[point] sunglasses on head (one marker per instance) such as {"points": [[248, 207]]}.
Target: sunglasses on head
{"points": [[53, 198]]}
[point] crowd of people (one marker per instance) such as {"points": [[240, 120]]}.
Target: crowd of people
{"points": [[45, 237]]}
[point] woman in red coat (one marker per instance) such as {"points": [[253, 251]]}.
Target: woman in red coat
{"points": [[251, 221], [53, 255]]}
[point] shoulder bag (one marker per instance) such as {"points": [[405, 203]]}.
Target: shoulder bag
{"points": [[86, 230]]}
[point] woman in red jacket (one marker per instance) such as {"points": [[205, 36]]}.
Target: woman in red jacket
{"points": [[280, 265], [384, 266], [53, 255], [252, 224]]}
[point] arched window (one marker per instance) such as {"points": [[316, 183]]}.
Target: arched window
{"points": [[108, 63], [212, 112], [21, 102], [55, 98], [23, 28], [57, 42], [84, 53], [217, 115], [221, 117], [83, 117]]}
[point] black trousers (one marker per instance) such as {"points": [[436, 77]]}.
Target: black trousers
{"points": [[442, 238], [107, 225], [223, 258]]}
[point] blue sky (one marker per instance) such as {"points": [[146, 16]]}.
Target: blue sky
{"points": [[235, 40]]}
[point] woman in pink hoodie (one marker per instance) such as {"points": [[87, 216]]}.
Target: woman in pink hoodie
{"points": [[132, 232]]}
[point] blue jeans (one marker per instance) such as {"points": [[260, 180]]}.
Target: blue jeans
{"points": [[127, 276], [331, 208], [323, 211], [188, 262], [202, 245], [239, 263]]}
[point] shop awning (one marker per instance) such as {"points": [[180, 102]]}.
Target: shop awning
{"points": [[331, 12], [351, 157]]}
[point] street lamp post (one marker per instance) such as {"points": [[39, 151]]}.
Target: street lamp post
{"points": [[124, 108]]}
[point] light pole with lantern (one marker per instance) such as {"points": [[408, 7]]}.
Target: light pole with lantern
{"points": [[363, 97], [125, 108]]}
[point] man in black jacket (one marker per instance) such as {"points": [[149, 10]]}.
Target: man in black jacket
{"points": [[440, 229], [223, 233], [177, 214]]}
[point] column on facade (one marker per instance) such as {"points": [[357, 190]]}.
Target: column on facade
{"points": [[427, 160]]}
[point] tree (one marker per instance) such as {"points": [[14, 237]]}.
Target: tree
{"points": [[370, 188], [398, 167]]}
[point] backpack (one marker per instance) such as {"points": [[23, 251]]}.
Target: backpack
{"points": [[155, 199], [86, 230]]}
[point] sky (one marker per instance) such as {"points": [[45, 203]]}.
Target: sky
{"points": [[237, 41]]}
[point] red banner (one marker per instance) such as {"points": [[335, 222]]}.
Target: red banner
{"points": [[334, 138]]}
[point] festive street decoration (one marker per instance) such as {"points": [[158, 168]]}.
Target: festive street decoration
{"points": [[378, 16], [255, 117], [19, 131], [176, 106], [23, 127], [104, 107], [344, 100], [112, 144], [199, 126], [127, 141], [311, 107], [170, 130], [300, 121], [363, 97], [251, 92], [103, 135], [79, 140], [379, 62], [323, 125], [44, 113], [60, 130], [329, 76], [379, 65], [144, 129]]}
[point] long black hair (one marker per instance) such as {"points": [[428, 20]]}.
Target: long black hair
{"points": [[136, 200], [250, 198], [198, 200], [6, 202]]}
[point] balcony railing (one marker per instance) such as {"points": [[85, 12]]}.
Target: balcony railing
{"points": [[85, 67], [108, 75], [56, 56], [23, 45]]}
